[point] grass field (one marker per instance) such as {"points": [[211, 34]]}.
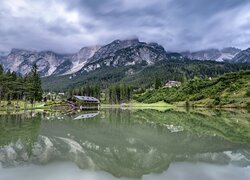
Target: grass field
{"points": [[22, 105], [161, 105]]}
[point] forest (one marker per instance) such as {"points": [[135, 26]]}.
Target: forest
{"points": [[86, 90], [199, 79], [114, 94], [228, 87], [142, 76], [17, 87]]}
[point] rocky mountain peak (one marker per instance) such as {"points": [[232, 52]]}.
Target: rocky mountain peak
{"points": [[117, 53], [48, 62], [225, 54], [207, 54], [79, 59], [230, 50], [126, 42], [125, 53], [112, 47], [242, 57], [89, 48]]}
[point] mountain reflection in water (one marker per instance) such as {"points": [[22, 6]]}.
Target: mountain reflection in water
{"points": [[117, 143]]}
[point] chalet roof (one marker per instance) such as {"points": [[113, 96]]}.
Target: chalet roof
{"points": [[87, 98], [173, 82], [84, 116]]}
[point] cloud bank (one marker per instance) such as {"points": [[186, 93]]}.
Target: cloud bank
{"points": [[66, 26]]}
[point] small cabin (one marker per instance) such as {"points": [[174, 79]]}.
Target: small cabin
{"points": [[85, 102], [171, 84]]}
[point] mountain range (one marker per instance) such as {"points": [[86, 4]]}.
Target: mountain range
{"points": [[116, 53], [225, 54]]}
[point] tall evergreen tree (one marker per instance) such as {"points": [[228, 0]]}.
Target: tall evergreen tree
{"points": [[157, 83], [15, 87]]}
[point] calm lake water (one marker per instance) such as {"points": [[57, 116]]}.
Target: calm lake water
{"points": [[125, 144]]}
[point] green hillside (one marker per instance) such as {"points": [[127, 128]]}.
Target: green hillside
{"points": [[225, 90]]}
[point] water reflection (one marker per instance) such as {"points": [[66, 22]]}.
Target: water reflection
{"points": [[87, 115], [127, 143]]}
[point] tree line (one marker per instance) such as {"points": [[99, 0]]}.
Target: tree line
{"points": [[86, 90], [119, 93], [114, 94], [17, 87]]}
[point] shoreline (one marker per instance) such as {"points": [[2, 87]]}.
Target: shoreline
{"points": [[161, 105]]}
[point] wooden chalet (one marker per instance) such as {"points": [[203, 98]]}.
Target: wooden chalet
{"points": [[85, 102], [171, 84]]}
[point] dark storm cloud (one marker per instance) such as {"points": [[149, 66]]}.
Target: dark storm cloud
{"points": [[66, 26]]}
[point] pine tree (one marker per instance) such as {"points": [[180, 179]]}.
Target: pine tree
{"points": [[34, 86], [157, 83]]}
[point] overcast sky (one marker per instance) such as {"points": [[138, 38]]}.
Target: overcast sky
{"points": [[67, 25]]}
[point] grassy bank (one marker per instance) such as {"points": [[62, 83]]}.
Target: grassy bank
{"points": [[161, 105], [22, 105], [210, 103]]}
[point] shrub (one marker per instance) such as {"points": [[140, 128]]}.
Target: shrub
{"points": [[248, 93], [216, 101]]}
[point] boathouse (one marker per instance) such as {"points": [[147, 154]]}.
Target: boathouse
{"points": [[85, 102]]}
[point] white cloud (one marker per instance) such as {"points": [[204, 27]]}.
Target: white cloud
{"points": [[40, 10]]}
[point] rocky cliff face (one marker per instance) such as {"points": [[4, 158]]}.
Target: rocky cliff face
{"points": [[21, 61], [79, 59], [117, 53], [242, 57], [225, 54], [48, 62], [127, 52]]}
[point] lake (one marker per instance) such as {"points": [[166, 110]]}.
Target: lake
{"points": [[125, 144]]}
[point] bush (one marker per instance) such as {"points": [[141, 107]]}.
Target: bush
{"points": [[216, 101], [198, 97], [248, 93], [9, 103]]}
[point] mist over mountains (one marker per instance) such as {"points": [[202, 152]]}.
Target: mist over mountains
{"points": [[225, 54]]}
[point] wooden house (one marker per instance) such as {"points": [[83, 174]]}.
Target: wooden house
{"points": [[171, 84], [85, 102]]}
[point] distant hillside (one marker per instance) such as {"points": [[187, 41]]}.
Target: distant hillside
{"points": [[230, 88], [142, 76]]}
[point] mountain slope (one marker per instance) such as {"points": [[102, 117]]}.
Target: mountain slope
{"points": [[81, 58], [125, 53], [142, 76], [117, 53], [242, 57], [48, 62], [225, 54]]}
